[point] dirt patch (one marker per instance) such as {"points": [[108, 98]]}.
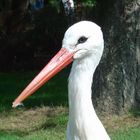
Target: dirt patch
{"points": [[29, 120]]}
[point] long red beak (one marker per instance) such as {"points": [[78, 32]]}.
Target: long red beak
{"points": [[57, 63]]}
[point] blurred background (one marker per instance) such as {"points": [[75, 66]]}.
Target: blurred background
{"points": [[31, 32]]}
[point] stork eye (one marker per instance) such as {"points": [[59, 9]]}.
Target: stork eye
{"points": [[82, 39]]}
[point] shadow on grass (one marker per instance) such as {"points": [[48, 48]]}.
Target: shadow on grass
{"points": [[135, 112]]}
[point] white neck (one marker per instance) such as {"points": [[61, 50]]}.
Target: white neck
{"points": [[83, 122]]}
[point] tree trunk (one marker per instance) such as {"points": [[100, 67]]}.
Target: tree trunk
{"points": [[117, 78]]}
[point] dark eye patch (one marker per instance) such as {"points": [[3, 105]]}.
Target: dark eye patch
{"points": [[82, 39]]}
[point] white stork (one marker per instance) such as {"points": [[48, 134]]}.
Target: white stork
{"points": [[83, 44]]}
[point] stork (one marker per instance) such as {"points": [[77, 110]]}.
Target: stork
{"points": [[83, 44]]}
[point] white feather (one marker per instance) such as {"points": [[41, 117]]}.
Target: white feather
{"points": [[83, 123]]}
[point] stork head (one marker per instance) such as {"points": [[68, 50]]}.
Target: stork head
{"points": [[84, 38], [81, 40]]}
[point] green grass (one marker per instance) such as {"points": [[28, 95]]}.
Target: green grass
{"points": [[39, 135], [44, 116], [130, 134]]}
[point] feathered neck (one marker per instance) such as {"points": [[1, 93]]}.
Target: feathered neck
{"points": [[83, 122]]}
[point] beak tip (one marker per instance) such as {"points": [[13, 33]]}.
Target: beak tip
{"points": [[15, 105]]}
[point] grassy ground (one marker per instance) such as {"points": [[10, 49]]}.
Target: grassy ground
{"points": [[44, 116]]}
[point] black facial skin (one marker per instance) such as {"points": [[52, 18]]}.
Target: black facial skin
{"points": [[82, 39]]}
